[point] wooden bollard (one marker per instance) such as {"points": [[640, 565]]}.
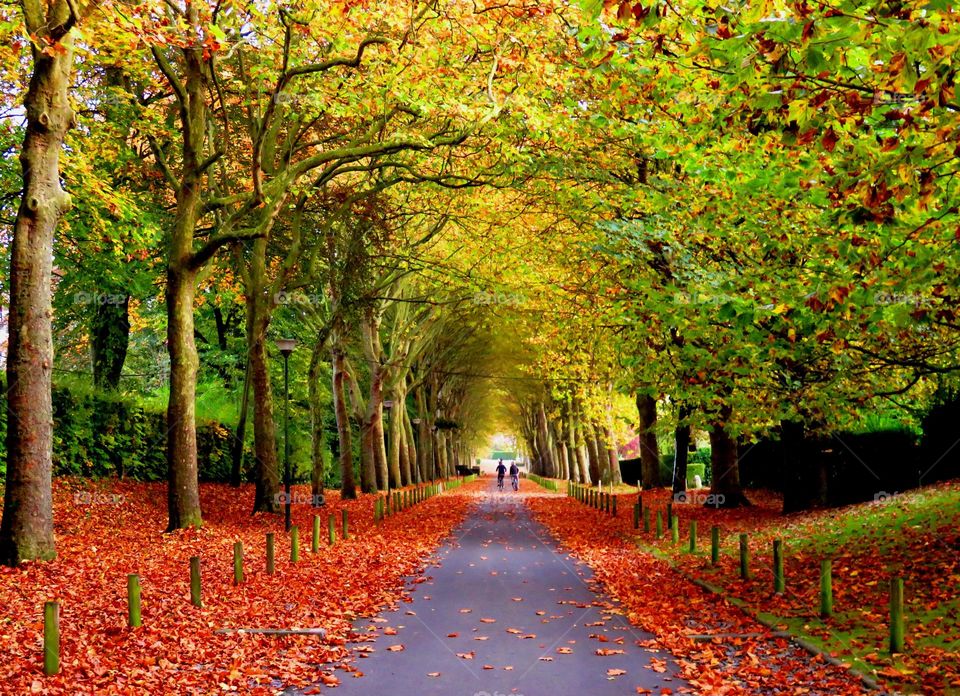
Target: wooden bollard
{"points": [[237, 562], [826, 588], [636, 515], [294, 544], [779, 581], [714, 545], [332, 529], [343, 513], [659, 524], [674, 528], [693, 536], [613, 501], [134, 617], [271, 554], [646, 519], [744, 558], [315, 537], [51, 638], [670, 514], [195, 599], [897, 631]]}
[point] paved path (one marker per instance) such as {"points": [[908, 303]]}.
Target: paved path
{"points": [[505, 614]]}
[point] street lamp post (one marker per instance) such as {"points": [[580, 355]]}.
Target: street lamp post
{"points": [[285, 346]]}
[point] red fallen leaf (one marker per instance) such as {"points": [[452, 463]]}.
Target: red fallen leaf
{"points": [[433, 674], [467, 655], [481, 638], [388, 631], [541, 613], [565, 651], [517, 599], [488, 667], [508, 668], [515, 631], [613, 672], [604, 652], [465, 611], [529, 635], [395, 648], [488, 621], [452, 635]]}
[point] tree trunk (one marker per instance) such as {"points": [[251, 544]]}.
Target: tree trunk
{"points": [[649, 448], [579, 450], [348, 486], [26, 531], [594, 455], [266, 472], [318, 435], [543, 434], [183, 492], [725, 490], [240, 434], [681, 443], [109, 338], [612, 458]]}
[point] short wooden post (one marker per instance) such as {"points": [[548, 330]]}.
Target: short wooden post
{"points": [[826, 588], [613, 501], [646, 519], [294, 544], [675, 529], [195, 581], [669, 514], [134, 619], [659, 524], [51, 638], [332, 529], [271, 554], [779, 581], [693, 536], [343, 513], [636, 515], [714, 545], [744, 558], [896, 615], [237, 562], [315, 539]]}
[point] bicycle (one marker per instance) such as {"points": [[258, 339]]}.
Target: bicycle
{"points": [[515, 480], [500, 483]]}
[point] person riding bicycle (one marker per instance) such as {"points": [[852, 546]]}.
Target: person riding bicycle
{"points": [[501, 470], [515, 476]]}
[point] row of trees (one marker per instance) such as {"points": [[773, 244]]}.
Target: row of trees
{"points": [[777, 248], [304, 158]]}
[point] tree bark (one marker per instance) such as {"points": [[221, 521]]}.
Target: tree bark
{"points": [[725, 490], [109, 338], [595, 469], [266, 471], [26, 531], [318, 435], [649, 448], [240, 434], [681, 440], [348, 486], [543, 434]]}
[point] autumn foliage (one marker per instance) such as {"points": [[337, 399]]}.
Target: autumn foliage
{"points": [[105, 531]]}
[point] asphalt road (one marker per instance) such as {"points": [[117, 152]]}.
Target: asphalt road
{"points": [[504, 613]]}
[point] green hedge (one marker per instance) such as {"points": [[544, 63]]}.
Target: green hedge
{"points": [[698, 463], [98, 435]]}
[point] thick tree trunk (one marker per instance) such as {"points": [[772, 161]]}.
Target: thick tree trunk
{"points": [[543, 435], [681, 444], [725, 490], [681, 438], [26, 531], [595, 468], [649, 448], [805, 476], [183, 492], [579, 450], [109, 338], [266, 471], [348, 486], [612, 458]]}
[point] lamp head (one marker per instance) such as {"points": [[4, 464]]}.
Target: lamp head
{"points": [[286, 345]]}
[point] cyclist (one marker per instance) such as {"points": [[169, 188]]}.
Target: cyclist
{"points": [[501, 470], [515, 476]]}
